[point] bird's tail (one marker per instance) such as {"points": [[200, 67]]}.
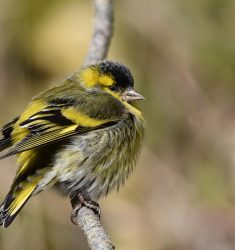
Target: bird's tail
{"points": [[15, 200]]}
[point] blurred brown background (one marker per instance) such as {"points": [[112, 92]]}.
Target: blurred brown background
{"points": [[182, 54]]}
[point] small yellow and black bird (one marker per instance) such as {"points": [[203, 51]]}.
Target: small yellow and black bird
{"points": [[82, 136]]}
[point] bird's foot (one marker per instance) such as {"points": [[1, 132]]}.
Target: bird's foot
{"points": [[84, 202]]}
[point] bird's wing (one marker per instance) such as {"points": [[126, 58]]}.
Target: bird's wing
{"points": [[6, 130], [42, 124]]}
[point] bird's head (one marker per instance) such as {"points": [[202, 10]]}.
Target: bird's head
{"points": [[112, 77]]}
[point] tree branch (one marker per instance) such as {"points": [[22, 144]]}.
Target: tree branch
{"points": [[96, 236], [103, 30]]}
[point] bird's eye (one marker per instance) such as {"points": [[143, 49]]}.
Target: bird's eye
{"points": [[113, 87]]}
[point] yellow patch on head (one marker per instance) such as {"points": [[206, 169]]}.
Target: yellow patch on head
{"points": [[106, 80], [89, 77]]}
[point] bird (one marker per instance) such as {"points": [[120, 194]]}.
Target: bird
{"points": [[81, 137]]}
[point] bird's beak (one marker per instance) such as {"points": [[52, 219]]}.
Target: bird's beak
{"points": [[131, 95]]}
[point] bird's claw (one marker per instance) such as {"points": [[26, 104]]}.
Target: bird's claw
{"points": [[83, 202]]}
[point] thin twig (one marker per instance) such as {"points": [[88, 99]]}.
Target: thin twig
{"points": [[96, 236], [103, 30]]}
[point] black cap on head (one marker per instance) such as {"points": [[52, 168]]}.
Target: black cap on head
{"points": [[122, 75]]}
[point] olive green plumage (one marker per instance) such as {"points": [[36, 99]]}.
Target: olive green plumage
{"points": [[83, 137]]}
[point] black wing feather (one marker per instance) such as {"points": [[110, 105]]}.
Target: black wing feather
{"points": [[6, 130]]}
